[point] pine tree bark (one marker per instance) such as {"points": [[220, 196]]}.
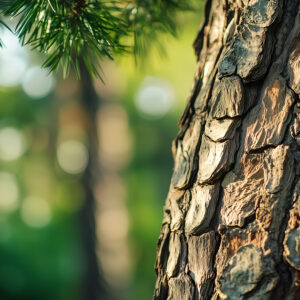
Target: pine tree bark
{"points": [[231, 226]]}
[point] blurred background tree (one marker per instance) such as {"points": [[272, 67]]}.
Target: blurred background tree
{"points": [[51, 162]]}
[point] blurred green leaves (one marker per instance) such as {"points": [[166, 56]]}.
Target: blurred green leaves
{"points": [[86, 31], [43, 262]]}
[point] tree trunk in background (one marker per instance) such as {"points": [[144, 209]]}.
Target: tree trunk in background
{"points": [[231, 220], [95, 288]]}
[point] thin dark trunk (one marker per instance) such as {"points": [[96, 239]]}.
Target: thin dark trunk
{"points": [[95, 287]]}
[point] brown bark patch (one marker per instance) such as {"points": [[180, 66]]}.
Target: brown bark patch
{"points": [[267, 122], [234, 244]]}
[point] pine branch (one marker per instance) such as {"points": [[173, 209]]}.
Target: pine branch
{"points": [[67, 30]]}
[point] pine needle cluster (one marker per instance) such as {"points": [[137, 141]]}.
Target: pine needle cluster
{"points": [[74, 31]]}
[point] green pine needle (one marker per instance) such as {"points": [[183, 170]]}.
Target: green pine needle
{"points": [[68, 31]]}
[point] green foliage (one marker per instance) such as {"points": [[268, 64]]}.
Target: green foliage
{"points": [[68, 30], [148, 18], [71, 32]]}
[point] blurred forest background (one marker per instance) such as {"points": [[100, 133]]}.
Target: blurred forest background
{"points": [[50, 168]]}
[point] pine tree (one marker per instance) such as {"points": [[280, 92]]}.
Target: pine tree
{"points": [[231, 220], [231, 225]]}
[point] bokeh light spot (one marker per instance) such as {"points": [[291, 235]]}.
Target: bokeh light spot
{"points": [[115, 140], [36, 211], [37, 83], [12, 143], [13, 60], [9, 192], [114, 224], [155, 97], [11, 70], [72, 156]]}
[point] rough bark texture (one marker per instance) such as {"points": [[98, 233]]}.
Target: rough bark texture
{"points": [[231, 226]]}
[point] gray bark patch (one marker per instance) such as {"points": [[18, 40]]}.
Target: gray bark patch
{"points": [[185, 155], [294, 69], [244, 273], [214, 159], [202, 207], [250, 51], [181, 288], [201, 250], [228, 98]]}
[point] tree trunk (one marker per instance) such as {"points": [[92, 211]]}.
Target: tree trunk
{"points": [[231, 220], [94, 285]]}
